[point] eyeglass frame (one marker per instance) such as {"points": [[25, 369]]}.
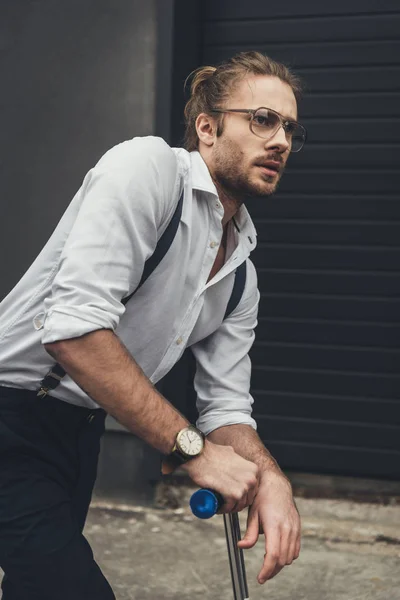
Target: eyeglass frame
{"points": [[252, 112]]}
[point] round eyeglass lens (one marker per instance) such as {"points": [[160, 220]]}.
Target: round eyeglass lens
{"points": [[266, 122], [298, 138]]}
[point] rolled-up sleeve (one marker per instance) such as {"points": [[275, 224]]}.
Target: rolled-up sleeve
{"points": [[124, 199], [223, 367]]}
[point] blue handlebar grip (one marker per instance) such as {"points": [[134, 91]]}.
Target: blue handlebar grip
{"points": [[205, 503]]}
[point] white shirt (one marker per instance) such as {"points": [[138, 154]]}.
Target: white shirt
{"points": [[95, 258]]}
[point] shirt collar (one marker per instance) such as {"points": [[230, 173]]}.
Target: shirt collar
{"points": [[201, 180], [247, 231]]}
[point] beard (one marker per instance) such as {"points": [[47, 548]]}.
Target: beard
{"points": [[232, 175]]}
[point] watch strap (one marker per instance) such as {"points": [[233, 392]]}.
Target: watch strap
{"points": [[172, 462]]}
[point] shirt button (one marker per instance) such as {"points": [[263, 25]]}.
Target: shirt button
{"points": [[217, 204], [213, 244], [38, 321], [179, 341]]}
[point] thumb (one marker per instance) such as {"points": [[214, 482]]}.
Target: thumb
{"points": [[253, 528]]}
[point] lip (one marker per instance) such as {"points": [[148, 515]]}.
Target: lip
{"points": [[268, 171], [269, 167]]}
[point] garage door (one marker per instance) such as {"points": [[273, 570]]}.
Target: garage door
{"points": [[326, 361]]}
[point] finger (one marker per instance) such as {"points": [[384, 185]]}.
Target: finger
{"points": [[277, 570], [252, 532], [297, 547], [228, 507], [242, 504], [286, 537], [235, 506], [294, 545], [252, 494], [271, 557], [238, 506], [292, 550], [253, 491]]}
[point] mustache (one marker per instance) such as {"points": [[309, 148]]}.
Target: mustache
{"points": [[276, 157]]}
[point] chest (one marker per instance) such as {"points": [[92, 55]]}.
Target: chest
{"points": [[218, 263]]}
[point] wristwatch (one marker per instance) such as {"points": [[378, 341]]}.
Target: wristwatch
{"points": [[189, 444]]}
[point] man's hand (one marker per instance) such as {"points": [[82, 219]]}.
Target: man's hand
{"points": [[221, 469], [274, 513]]}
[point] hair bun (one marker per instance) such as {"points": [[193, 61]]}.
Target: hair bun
{"points": [[200, 75]]}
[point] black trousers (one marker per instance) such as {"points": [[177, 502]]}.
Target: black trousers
{"points": [[48, 463]]}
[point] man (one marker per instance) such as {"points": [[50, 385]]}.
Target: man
{"points": [[72, 308]]}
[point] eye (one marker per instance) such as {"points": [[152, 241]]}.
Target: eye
{"points": [[290, 127], [262, 120]]}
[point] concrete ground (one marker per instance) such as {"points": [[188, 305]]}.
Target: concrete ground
{"points": [[350, 551]]}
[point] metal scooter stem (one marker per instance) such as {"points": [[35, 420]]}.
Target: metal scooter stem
{"points": [[206, 503], [236, 559]]}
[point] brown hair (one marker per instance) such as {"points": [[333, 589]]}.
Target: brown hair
{"points": [[211, 86]]}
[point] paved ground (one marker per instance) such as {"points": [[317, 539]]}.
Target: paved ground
{"points": [[350, 551]]}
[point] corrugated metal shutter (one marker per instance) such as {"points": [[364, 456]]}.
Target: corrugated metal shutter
{"points": [[326, 360]]}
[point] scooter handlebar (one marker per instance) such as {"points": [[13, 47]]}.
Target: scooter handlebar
{"points": [[205, 503]]}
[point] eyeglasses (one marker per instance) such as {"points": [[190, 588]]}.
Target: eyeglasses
{"points": [[265, 122]]}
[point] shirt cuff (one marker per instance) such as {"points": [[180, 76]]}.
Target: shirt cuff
{"points": [[62, 325], [211, 421]]}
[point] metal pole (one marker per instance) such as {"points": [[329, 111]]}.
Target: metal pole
{"points": [[236, 559], [205, 503]]}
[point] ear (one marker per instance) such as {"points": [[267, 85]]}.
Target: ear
{"points": [[206, 128]]}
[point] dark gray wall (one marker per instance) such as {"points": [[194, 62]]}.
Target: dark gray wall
{"points": [[77, 77], [326, 358]]}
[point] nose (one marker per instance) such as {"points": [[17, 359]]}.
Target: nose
{"points": [[278, 141]]}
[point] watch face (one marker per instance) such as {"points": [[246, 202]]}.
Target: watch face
{"points": [[190, 442]]}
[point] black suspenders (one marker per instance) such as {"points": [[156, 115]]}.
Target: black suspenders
{"points": [[162, 247], [54, 377], [237, 291]]}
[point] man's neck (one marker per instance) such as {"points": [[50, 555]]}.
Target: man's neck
{"points": [[229, 201], [231, 204]]}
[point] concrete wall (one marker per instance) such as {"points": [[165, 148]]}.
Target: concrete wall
{"points": [[77, 78]]}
